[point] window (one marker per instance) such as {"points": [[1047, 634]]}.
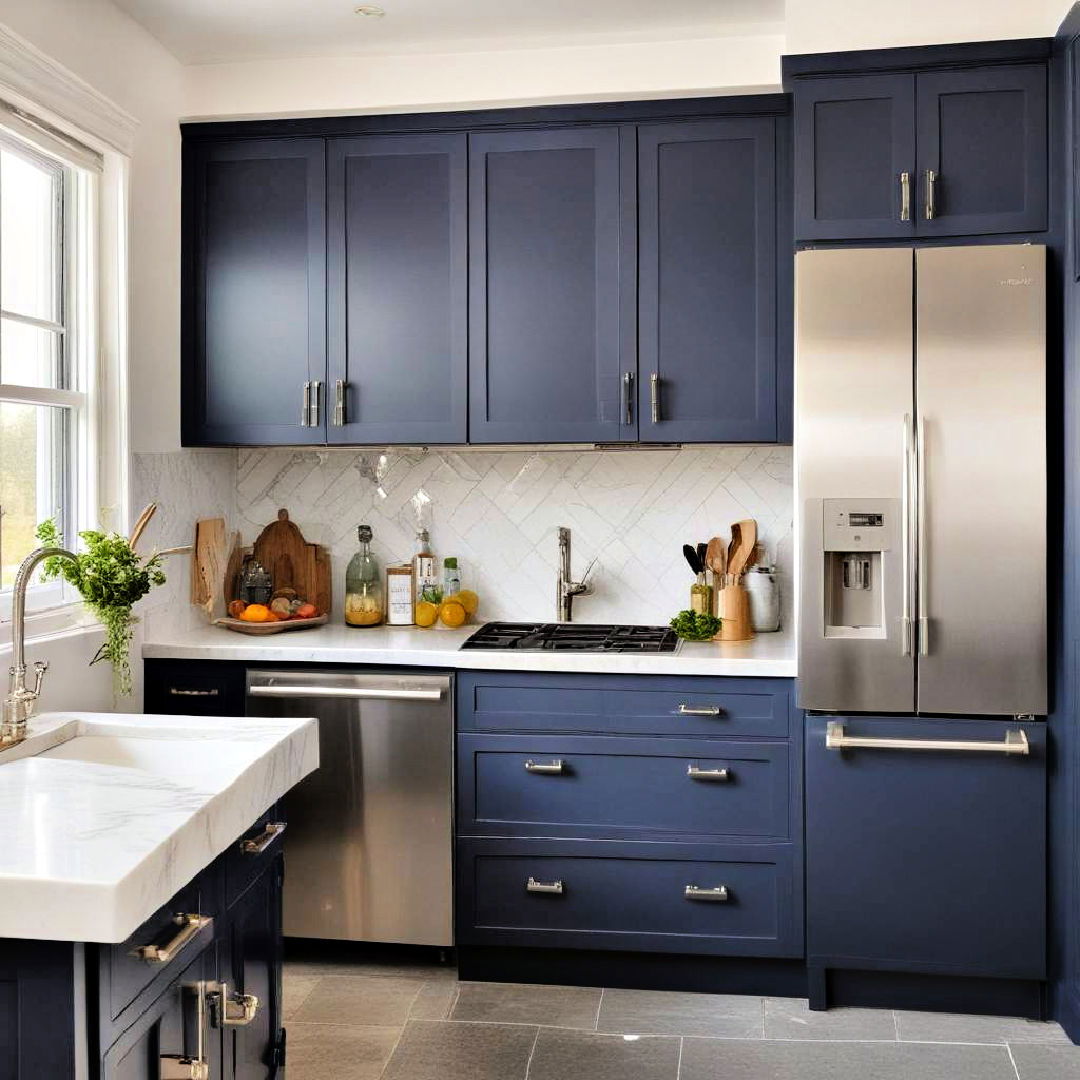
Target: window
{"points": [[46, 351]]}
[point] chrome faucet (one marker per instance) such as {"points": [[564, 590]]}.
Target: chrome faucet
{"points": [[567, 587], [21, 701]]}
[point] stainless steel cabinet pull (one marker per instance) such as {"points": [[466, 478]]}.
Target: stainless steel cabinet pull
{"points": [[930, 206], [920, 528], [190, 925], [316, 404], [905, 196], [339, 403], [305, 410], [905, 538], [718, 895], [552, 888], [256, 845], [176, 691], [556, 768], [235, 1010], [699, 710], [352, 692], [628, 398], [654, 396], [719, 776], [1015, 742]]}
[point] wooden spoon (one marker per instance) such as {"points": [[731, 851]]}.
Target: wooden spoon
{"points": [[733, 548], [744, 553], [716, 558]]}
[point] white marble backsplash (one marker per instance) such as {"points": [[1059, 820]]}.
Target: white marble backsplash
{"points": [[498, 512]]}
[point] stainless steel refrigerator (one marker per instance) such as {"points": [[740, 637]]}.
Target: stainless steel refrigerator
{"points": [[921, 479]]}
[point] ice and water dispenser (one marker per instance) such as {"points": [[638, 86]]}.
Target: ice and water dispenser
{"points": [[856, 535]]}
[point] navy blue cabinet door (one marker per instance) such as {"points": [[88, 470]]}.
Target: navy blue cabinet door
{"points": [[854, 146], [926, 861], [257, 286], [397, 297], [708, 279], [982, 137], [547, 271]]}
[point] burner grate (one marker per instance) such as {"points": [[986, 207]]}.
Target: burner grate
{"points": [[573, 637]]}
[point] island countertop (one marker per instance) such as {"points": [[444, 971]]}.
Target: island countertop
{"points": [[766, 655], [109, 815]]}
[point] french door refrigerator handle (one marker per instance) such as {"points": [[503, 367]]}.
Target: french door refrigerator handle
{"points": [[905, 538], [920, 528]]}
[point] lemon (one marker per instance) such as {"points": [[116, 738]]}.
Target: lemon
{"points": [[452, 613], [468, 600], [426, 613]]}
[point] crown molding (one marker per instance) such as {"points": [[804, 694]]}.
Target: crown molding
{"points": [[38, 82]]}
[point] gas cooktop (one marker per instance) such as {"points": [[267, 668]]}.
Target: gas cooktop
{"points": [[573, 637]]}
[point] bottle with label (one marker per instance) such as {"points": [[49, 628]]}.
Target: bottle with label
{"points": [[451, 577], [426, 577], [400, 606], [363, 585]]}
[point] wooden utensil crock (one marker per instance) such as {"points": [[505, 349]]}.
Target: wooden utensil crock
{"points": [[733, 608]]}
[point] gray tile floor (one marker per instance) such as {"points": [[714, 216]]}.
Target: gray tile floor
{"points": [[390, 1021]]}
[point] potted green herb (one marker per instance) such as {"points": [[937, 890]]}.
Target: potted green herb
{"points": [[695, 625]]}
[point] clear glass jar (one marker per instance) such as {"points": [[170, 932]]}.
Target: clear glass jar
{"points": [[364, 602]]}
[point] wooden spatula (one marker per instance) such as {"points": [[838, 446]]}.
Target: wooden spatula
{"points": [[716, 558], [744, 552]]}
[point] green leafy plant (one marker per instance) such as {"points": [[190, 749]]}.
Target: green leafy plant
{"points": [[110, 577], [695, 625]]}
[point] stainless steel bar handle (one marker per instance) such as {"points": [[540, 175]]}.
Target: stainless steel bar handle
{"points": [[339, 403], [628, 398], [352, 692], [1015, 742], [177, 691], [654, 396], [256, 845], [905, 196], [905, 537], [305, 409], [555, 768], [719, 776], [316, 403], [699, 710], [552, 888], [718, 894], [190, 925], [920, 528], [930, 206]]}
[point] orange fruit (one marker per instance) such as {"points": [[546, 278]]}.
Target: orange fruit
{"points": [[452, 613], [257, 613]]}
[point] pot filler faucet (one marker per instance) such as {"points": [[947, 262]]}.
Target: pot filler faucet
{"points": [[21, 701], [567, 587]]}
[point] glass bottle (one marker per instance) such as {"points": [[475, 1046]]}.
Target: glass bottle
{"points": [[425, 576], [363, 585], [451, 577]]}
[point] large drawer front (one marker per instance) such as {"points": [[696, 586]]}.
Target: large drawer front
{"points": [[610, 788], [610, 897], [621, 705]]}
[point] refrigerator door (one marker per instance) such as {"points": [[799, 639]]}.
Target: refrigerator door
{"points": [[981, 390], [855, 450]]}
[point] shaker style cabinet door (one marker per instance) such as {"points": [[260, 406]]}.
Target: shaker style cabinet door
{"points": [[982, 151], [397, 296], [549, 289], [708, 281], [255, 293], [855, 157]]}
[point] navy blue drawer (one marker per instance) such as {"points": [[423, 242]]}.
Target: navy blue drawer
{"points": [[624, 705], [608, 788], [607, 895]]}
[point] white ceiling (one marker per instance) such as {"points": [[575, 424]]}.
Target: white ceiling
{"points": [[210, 31]]}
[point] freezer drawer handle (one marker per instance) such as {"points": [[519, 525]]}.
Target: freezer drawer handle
{"points": [[352, 692], [699, 710], [256, 845], [554, 768], [190, 925], [176, 691], [717, 895], [719, 776], [549, 888], [1015, 742]]}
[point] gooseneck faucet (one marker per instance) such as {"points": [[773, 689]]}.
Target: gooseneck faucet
{"points": [[568, 588], [21, 701]]}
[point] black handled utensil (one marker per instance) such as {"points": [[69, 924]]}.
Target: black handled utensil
{"points": [[692, 559]]}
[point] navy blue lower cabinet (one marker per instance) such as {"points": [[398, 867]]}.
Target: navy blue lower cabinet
{"points": [[726, 900], [928, 861]]}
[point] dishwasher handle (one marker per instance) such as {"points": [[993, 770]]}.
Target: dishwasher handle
{"points": [[367, 693]]}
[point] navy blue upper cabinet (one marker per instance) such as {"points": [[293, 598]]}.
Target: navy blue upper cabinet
{"points": [[397, 298], [255, 268], [982, 150], [855, 157], [548, 349], [707, 290]]}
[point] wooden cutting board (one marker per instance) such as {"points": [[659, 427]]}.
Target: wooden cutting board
{"points": [[209, 560], [293, 562]]}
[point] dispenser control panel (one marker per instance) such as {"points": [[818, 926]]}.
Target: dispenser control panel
{"points": [[858, 525]]}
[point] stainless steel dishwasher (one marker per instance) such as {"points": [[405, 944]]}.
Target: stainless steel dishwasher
{"points": [[368, 851]]}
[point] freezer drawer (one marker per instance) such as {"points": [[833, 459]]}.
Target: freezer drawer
{"points": [[926, 860]]}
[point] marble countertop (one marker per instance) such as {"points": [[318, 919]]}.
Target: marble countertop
{"points": [[108, 815], [764, 655]]}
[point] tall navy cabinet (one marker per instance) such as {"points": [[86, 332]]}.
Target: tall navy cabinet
{"points": [[397, 297], [548, 352], [255, 276], [707, 301]]}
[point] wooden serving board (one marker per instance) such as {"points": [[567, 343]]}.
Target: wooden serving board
{"points": [[259, 629], [293, 562]]}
